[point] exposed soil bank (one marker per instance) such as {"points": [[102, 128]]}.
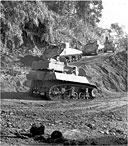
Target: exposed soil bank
{"points": [[108, 72]]}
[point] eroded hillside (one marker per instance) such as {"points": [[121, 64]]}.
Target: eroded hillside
{"points": [[108, 72]]}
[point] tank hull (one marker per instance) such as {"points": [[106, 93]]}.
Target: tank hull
{"points": [[55, 80], [58, 86], [45, 76]]}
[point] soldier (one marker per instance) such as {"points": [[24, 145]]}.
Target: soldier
{"points": [[106, 40]]}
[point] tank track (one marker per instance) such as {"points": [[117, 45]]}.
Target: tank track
{"points": [[64, 91]]}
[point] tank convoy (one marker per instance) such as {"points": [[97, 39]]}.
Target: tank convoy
{"points": [[94, 48], [56, 80]]}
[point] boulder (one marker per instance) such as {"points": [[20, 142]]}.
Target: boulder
{"points": [[56, 135], [37, 129]]}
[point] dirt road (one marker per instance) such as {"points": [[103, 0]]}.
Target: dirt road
{"points": [[101, 120]]}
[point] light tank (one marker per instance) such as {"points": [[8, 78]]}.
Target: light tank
{"points": [[71, 54], [55, 80], [90, 48], [108, 46]]}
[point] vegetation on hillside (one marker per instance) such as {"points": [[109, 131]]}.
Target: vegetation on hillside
{"points": [[119, 36], [28, 25]]}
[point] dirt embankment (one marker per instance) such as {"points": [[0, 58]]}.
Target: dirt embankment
{"points": [[96, 122], [107, 71]]}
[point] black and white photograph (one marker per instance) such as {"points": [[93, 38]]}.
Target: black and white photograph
{"points": [[63, 73]]}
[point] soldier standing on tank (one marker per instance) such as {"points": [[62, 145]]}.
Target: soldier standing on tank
{"points": [[106, 40]]}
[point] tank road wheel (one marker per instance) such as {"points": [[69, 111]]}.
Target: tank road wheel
{"points": [[54, 93], [74, 96], [82, 95], [73, 93], [87, 94], [34, 91], [93, 93]]}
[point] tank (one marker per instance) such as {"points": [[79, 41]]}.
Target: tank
{"points": [[90, 48], [108, 46], [56, 80], [71, 54]]}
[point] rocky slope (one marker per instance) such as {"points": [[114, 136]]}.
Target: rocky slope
{"points": [[107, 71]]}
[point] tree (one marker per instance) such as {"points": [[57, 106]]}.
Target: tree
{"points": [[88, 11], [16, 15], [119, 36], [33, 24]]}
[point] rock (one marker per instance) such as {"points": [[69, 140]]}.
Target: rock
{"points": [[10, 113], [91, 126], [107, 132], [37, 129], [56, 134], [114, 133], [3, 112], [104, 127], [34, 114], [119, 131], [10, 125], [101, 132]]}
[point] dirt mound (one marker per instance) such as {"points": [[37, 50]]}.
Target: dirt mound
{"points": [[108, 72]]}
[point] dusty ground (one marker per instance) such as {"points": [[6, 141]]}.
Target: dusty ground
{"points": [[102, 121], [96, 122]]}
